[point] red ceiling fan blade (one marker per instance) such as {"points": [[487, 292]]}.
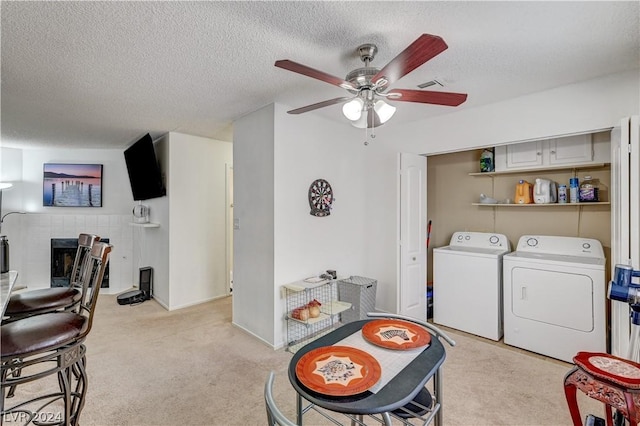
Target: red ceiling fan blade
{"points": [[420, 51], [428, 97], [313, 73], [319, 105]]}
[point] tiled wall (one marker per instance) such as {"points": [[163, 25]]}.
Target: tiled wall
{"points": [[31, 252]]}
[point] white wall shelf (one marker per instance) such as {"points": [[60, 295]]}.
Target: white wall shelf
{"points": [[601, 203], [542, 169], [145, 225], [333, 307]]}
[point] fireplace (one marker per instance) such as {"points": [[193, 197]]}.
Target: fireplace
{"points": [[63, 253]]}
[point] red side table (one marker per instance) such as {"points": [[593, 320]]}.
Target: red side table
{"points": [[610, 379]]}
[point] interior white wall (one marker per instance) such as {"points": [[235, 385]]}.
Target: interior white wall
{"points": [[586, 106], [197, 217], [381, 222], [151, 245], [253, 236], [11, 172], [30, 234], [276, 157], [308, 147]]}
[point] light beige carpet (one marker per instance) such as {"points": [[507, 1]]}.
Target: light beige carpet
{"points": [[148, 366]]}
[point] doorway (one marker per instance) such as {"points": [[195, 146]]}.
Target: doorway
{"points": [[229, 226]]}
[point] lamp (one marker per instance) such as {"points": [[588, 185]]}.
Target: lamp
{"points": [[361, 122], [353, 109], [3, 186], [7, 214], [4, 243], [384, 110]]}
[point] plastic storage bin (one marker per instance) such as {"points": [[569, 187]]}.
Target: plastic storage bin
{"points": [[361, 293]]}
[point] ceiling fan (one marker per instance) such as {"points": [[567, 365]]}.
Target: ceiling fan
{"points": [[368, 85]]}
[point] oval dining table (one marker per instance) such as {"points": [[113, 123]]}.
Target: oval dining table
{"points": [[398, 392]]}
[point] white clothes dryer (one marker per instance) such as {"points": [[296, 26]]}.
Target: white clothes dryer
{"points": [[467, 283], [555, 296]]}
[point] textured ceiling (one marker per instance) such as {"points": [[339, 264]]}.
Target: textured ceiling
{"points": [[100, 74]]}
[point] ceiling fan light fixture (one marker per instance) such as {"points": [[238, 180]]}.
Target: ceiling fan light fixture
{"points": [[360, 123], [353, 109], [384, 110], [367, 84]]}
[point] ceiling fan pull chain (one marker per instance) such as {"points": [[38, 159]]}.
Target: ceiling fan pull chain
{"points": [[366, 135]]}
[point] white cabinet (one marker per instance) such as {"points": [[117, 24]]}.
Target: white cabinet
{"points": [[569, 150], [521, 155]]}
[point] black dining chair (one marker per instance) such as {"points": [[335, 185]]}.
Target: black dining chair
{"points": [[426, 406], [275, 417], [40, 301], [40, 346]]}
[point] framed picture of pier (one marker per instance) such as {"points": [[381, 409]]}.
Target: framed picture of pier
{"points": [[72, 185]]}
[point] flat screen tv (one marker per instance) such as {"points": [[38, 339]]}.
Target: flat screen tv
{"points": [[144, 172]]}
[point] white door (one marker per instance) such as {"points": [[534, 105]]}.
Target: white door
{"points": [[625, 215], [541, 295], [229, 226], [413, 231]]}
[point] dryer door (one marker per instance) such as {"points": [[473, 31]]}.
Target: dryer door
{"points": [[563, 299]]}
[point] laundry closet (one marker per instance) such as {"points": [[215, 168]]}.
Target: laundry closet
{"points": [[455, 186]]}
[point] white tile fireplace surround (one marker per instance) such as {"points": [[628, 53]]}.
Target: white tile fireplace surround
{"points": [[31, 246]]}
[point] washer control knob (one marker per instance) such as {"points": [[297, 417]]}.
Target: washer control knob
{"points": [[586, 246], [532, 242], [460, 237], [467, 237], [494, 239]]}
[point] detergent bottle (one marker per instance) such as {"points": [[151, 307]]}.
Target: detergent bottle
{"points": [[524, 192], [486, 161], [589, 190]]}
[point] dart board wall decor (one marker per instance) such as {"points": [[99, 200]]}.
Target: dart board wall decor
{"points": [[320, 198]]}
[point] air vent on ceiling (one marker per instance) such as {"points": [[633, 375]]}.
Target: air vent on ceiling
{"points": [[435, 81]]}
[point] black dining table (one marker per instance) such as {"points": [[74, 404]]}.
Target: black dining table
{"points": [[398, 392]]}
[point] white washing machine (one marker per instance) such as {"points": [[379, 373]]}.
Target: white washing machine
{"points": [[555, 295], [467, 283]]}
